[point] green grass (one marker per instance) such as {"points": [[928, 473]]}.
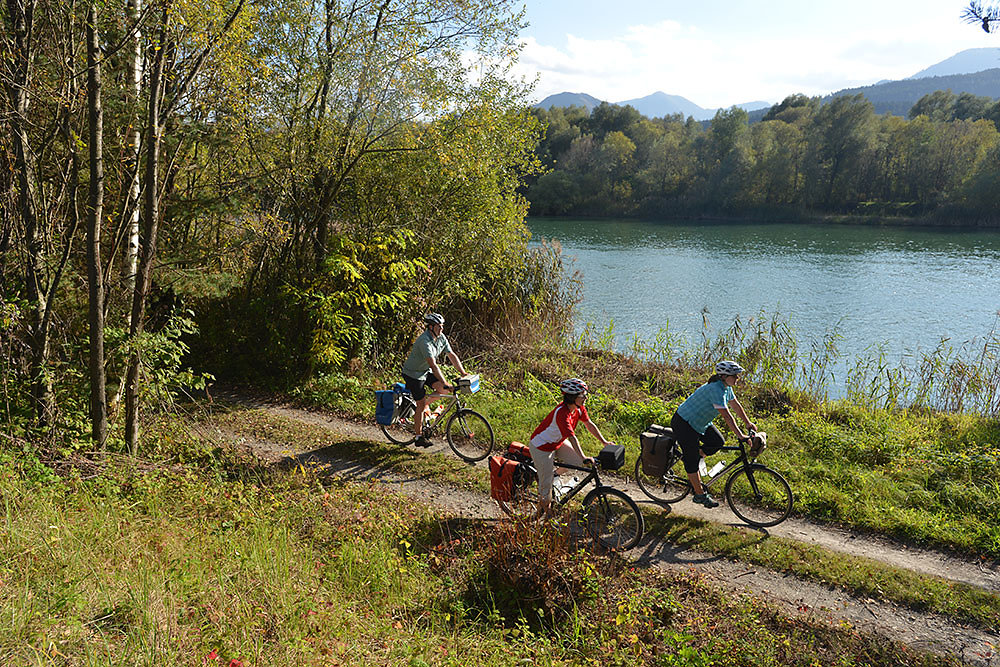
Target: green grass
{"points": [[152, 563]]}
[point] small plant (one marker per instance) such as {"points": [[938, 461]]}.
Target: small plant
{"points": [[535, 573]]}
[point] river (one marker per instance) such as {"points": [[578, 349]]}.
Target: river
{"points": [[902, 288]]}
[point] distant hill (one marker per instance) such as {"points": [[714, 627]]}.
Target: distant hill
{"points": [[657, 105], [569, 100], [897, 97], [963, 62], [660, 104]]}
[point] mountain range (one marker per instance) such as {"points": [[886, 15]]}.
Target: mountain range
{"points": [[975, 71], [652, 106]]}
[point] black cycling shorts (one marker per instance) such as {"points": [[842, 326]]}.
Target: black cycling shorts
{"points": [[691, 441], [419, 387]]}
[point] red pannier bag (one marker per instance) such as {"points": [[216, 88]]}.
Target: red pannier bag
{"points": [[519, 452], [502, 472]]}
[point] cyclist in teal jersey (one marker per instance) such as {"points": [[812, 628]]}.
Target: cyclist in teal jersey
{"points": [[693, 427]]}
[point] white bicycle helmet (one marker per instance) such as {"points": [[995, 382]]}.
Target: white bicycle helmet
{"points": [[729, 368], [573, 386], [434, 318]]}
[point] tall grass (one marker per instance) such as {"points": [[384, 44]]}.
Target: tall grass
{"points": [[953, 377]]}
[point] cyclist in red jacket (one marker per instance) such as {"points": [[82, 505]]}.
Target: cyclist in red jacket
{"points": [[555, 438]]}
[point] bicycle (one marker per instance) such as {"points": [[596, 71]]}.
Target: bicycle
{"points": [[758, 495], [468, 433], [611, 517]]}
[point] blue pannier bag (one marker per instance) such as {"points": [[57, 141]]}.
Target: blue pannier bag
{"points": [[385, 406]]}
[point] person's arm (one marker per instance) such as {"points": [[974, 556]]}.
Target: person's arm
{"points": [[456, 362], [574, 442], [727, 417], [596, 432], [438, 373], [741, 413]]}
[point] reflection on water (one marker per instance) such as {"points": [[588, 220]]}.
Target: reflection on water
{"points": [[907, 288]]}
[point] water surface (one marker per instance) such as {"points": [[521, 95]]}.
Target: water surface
{"points": [[904, 288]]}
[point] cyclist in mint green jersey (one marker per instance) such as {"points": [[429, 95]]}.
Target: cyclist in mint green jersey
{"points": [[421, 371]]}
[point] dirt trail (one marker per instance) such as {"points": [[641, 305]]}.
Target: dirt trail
{"points": [[925, 631]]}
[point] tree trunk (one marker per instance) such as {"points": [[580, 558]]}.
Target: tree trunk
{"points": [[20, 25], [133, 204], [95, 213], [150, 228]]}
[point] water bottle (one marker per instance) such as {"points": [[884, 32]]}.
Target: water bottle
{"points": [[702, 468], [557, 488], [717, 468]]}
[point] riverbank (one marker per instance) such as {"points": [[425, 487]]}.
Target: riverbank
{"points": [[302, 553], [944, 220]]}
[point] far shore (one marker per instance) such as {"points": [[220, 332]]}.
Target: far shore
{"points": [[931, 220]]}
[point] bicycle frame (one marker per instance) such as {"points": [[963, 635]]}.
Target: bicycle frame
{"points": [[591, 475], [742, 461], [453, 400]]}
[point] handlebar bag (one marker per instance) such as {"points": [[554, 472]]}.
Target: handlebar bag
{"points": [[612, 457]]}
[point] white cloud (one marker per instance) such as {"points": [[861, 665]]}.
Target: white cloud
{"points": [[722, 68]]}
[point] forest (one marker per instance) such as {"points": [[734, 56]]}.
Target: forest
{"points": [[256, 191], [804, 159]]}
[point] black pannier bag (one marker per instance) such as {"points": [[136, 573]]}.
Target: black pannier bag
{"points": [[656, 441], [612, 457]]}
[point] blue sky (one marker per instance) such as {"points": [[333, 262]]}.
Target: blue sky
{"points": [[735, 51]]}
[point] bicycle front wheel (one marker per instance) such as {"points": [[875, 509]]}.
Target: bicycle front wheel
{"points": [[400, 431], [612, 518], [469, 435], [760, 496], [669, 487]]}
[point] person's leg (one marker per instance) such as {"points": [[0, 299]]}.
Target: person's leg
{"points": [[712, 441], [432, 389], [436, 388], [566, 454], [418, 390], [690, 441], [544, 466]]}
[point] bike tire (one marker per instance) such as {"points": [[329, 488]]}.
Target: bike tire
{"points": [[469, 435], [612, 518], [523, 503], [400, 431], [769, 505], [670, 487]]}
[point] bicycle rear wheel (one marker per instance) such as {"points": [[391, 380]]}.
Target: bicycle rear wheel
{"points": [[612, 518], [400, 431], [760, 496], [523, 501], [469, 435], [669, 487]]}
